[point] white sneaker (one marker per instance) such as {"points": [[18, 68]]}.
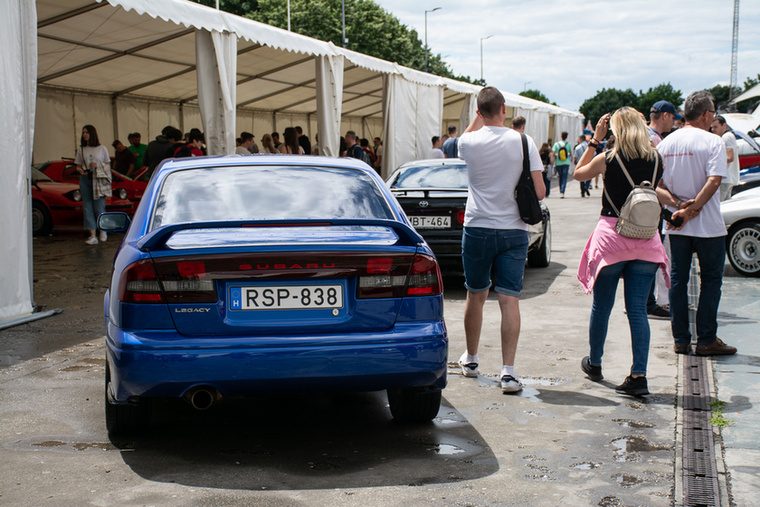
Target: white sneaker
{"points": [[92, 240], [509, 384], [103, 236], [468, 369]]}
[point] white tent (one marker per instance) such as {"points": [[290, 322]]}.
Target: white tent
{"points": [[139, 65]]}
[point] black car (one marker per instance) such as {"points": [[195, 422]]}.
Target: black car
{"points": [[433, 193]]}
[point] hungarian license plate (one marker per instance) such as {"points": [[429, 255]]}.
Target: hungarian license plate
{"points": [[428, 222], [286, 297]]}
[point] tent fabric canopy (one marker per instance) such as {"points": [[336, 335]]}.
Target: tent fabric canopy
{"points": [[139, 65]]}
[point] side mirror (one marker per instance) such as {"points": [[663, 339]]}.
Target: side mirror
{"points": [[116, 221]]}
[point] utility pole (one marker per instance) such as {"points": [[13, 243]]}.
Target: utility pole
{"points": [[734, 54], [345, 41]]}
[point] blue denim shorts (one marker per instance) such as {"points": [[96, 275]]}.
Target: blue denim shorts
{"points": [[504, 250]]}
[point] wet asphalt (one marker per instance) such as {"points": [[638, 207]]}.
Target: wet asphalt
{"points": [[564, 440]]}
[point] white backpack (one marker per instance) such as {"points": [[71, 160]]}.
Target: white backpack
{"points": [[640, 215]]}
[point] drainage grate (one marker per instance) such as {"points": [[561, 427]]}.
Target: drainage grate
{"points": [[700, 474]]}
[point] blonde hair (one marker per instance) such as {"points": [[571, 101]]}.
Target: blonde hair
{"points": [[631, 135]]}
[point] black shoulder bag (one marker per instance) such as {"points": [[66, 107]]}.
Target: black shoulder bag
{"points": [[525, 192]]}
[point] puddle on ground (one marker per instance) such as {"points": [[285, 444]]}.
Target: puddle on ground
{"points": [[61, 446], [443, 420], [585, 465], [627, 480], [626, 448], [630, 423], [446, 449], [610, 501], [543, 381]]}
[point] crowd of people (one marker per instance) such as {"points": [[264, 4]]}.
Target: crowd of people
{"points": [[295, 142], [687, 166]]}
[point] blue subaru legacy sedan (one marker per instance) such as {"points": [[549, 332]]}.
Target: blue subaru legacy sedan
{"points": [[242, 276]]}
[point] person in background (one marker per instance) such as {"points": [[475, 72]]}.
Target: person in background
{"points": [[435, 151], [519, 123], [303, 141], [495, 238], [276, 141], [291, 146], [343, 147], [157, 150], [562, 155], [578, 152], [137, 149], [369, 156], [547, 159], [451, 146], [246, 143], [123, 159], [378, 154], [267, 144], [352, 146], [720, 128], [315, 146], [610, 256], [94, 166]]}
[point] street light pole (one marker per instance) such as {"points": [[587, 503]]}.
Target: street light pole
{"points": [[481, 57], [343, 4], [427, 67], [288, 15]]}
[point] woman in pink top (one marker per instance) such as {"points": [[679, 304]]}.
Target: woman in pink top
{"points": [[609, 256]]}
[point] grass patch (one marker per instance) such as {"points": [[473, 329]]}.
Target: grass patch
{"points": [[717, 418]]}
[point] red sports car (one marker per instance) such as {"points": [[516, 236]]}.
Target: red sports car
{"points": [[123, 186], [59, 205]]}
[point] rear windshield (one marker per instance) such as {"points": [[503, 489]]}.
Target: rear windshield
{"points": [[268, 193], [438, 176]]}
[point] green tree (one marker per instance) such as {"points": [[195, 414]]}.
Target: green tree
{"points": [[664, 91], [536, 95], [606, 101], [722, 94]]}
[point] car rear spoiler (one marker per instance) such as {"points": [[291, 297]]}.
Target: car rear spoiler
{"points": [[426, 191], [157, 239]]}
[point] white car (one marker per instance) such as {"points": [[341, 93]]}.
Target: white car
{"points": [[741, 214]]}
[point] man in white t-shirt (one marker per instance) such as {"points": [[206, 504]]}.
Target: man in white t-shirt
{"points": [[695, 164], [436, 151], [494, 235], [720, 127]]}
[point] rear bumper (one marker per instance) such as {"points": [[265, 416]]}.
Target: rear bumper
{"points": [[151, 365]]}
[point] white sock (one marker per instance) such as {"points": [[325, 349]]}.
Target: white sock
{"points": [[508, 370], [467, 358]]}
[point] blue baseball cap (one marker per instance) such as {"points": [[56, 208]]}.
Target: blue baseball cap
{"points": [[663, 106]]}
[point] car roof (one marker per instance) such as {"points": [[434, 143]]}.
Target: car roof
{"points": [[175, 164], [433, 162]]}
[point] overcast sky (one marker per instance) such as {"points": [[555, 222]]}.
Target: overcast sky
{"points": [[571, 49]]}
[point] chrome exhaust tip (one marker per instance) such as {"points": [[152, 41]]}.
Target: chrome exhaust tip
{"points": [[201, 398]]}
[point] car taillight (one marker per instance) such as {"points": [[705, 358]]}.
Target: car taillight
{"points": [[460, 216], [425, 278], [139, 284], [392, 277], [179, 282]]}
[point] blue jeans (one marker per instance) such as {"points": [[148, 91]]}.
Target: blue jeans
{"points": [[503, 249], [92, 208], [711, 253], [562, 172], [547, 181], [637, 277]]}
